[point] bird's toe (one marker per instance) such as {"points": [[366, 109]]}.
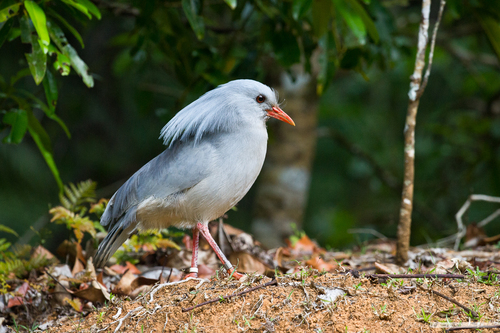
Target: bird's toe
{"points": [[234, 274]]}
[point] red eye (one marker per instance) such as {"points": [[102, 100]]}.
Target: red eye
{"points": [[260, 99]]}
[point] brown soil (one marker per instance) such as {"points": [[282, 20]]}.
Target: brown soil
{"points": [[294, 305]]}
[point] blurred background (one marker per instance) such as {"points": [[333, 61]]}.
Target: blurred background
{"points": [[342, 69]]}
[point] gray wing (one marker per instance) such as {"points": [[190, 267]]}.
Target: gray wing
{"points": [[179, 167]]}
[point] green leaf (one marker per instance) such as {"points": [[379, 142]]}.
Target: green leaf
{"points": [[18, 120], [76, 62], [37, 62], [232, 3], [42, 140], [5, 30], [92, 8], [321, 14], [300, 7], [9, 11], [351, 18], [68, 26], [37, 103], [39, 20], [7, 229], [78, 6], [62, 64], [191, 9], [367, 21], [51, 93], [492, 29], [24, 22]]}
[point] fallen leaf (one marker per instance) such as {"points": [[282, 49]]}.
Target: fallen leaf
{"points": [[246, 263], [78, 267], [40, 251], [119, 269], [123, 286], [75, 303], [15, 301], [131, 267], [319, 264]]}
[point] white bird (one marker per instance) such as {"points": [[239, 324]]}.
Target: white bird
{"points": [[216, 147]]}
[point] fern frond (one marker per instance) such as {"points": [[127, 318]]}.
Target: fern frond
{"points": [[15, 266], [7, 229], [76, 195]]}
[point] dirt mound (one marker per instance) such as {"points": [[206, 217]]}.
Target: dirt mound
{"points": [[306, 301]]}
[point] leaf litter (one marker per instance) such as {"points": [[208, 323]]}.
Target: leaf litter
{"points": [[300, 287]]}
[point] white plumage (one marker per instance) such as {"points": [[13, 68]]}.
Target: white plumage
{"points": [[215, 150]]}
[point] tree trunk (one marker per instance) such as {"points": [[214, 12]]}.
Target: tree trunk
{"points": [[283, 186]]}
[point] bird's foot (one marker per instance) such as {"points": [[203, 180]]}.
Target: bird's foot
{"points": [[234, 274], [193, 275]]}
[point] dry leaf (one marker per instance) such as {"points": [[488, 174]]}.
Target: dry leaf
{"points": [[131, 267], [246, 263], [124, 285], [75, 303], [317, 263], [78, 267]]}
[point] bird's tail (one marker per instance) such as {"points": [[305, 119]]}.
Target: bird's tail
{"points": [[115, 238]]}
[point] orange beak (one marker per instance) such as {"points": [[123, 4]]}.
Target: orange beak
{"points": [[279, 114]]}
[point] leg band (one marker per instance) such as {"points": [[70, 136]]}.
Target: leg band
{"points": [[193, 270]]}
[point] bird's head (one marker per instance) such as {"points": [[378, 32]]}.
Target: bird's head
{"points": [[236, 103], [259, 100]]}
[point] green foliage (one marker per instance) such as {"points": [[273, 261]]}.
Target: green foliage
{"points": [[74, 208], [144, 240], [35, 23], [17, 262]]}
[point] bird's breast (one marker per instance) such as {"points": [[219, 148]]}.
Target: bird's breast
{"points": [[235, 167]]}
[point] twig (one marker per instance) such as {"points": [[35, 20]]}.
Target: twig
{"points": [[367, 231], [478, 327], [158, 287], [465, 207], [431, 53], [417, 276], [53, 278], [166, 321], [273, 282], [120, 321], [472, 312]]}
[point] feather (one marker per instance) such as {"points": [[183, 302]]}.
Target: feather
{"points": [[199, 119]]}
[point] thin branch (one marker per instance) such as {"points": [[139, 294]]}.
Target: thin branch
{"points": [[458, 216], [431, 53], [367, 231], [472, 312], [417, 276], [218, 299], [473, 327]]}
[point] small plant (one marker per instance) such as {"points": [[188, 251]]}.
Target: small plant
{"points": [[74, 208], [383, 310], [475, 308], [423, 316], [358, 286], [100, 317], [247, 321], [487, 278], [24, 328]]}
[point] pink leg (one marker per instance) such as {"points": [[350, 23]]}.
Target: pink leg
{"points": [[193, 271], [204, 231]]}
